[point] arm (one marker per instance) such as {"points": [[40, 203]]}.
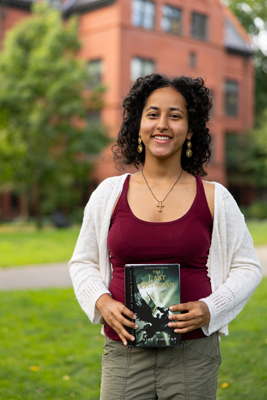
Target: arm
{"points": [[84, 265], [235, 273], [90, 287], [234, 267]]}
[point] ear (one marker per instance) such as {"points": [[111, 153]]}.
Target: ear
{"points": [[189, 135]]}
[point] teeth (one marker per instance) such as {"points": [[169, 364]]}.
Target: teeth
{"points": [[162, 137]]}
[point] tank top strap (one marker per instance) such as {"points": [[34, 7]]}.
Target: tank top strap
{"points": [[201, 199], [122, 202]]}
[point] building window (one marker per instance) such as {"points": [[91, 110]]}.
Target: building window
{"points": [[192, 60], [212, 150], [171, 20], [199, 26], [95, 73], [141, 67], [143, 13], [212, 110], [231, 98]]}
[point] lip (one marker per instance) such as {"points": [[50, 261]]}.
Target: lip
{"points": [[162, 141]]}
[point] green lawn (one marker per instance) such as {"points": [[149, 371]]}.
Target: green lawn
{"points": [[25, 245], [258, 230], [49, 350], [244, 352]]}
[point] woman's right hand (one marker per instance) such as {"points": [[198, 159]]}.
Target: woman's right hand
{"points": [[113, 313]]}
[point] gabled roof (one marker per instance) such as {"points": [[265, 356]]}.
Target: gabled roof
{"points": [[79, 6], [236, 39]]}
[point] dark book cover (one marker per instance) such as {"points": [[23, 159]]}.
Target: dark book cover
{"points": [[150, 289]]}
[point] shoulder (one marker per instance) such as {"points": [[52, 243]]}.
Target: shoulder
{"points": [[109, 185], [106, 191], [209, 188]]}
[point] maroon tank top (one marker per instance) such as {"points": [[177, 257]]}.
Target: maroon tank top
{"points": [[185, 241]]}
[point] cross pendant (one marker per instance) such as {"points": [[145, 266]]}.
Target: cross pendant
{"points": [[160, 205]]}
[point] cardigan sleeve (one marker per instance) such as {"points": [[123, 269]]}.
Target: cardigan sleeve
{"points": [[237, 271], [84, 265]]}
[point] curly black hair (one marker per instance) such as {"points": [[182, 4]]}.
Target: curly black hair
{"points": [[198, 104]]}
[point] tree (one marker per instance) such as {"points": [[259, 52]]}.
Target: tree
{"points": [[246, 160], [45, 134], [253, 16]]}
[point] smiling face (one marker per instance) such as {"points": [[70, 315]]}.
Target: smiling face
{"points": [[164, 124]]}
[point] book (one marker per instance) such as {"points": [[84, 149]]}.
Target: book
{"points": [[150, 289]]}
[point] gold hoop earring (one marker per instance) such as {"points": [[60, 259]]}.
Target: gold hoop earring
{"points": [[189, 152], [139, 147]]}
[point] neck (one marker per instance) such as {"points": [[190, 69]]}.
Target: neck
{"points": [[162, 170]]}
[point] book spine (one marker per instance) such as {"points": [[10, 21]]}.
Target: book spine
{"points": [[129, 296]]}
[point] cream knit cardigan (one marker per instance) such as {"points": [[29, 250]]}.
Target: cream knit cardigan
{"points": [[233, 266]]}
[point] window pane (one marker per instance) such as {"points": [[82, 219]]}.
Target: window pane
{"points": [[199, 26], [231, 98], [143, 13], [148, 68], [136, 69], [141, 67], [137, 12], [171, 20], [148, 21], [192, 60], [95, 72]]}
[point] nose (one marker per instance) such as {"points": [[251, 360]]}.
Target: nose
{"points": [[163, 124]]}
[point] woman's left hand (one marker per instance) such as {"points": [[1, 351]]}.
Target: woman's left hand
{"points": [[194, 315]]}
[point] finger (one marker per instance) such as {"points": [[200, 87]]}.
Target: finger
{"points": [[124, 310], [182, 307], [181, 317], [124, 320], [124, 335]]}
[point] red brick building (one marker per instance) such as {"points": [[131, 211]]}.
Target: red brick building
{"points": [[123, 39]]}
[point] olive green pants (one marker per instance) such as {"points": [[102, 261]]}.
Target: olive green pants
{"points": [[189, 372]]}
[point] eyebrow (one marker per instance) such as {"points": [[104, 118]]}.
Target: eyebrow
{"points": [[171, 109]]}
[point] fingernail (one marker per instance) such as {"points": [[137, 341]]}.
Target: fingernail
{"points": [[134, 316], [170, 316], [170, 324], [171, 308], [136, 326], [132, 339]]}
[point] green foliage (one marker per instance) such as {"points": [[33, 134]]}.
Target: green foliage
{"points": [[49, 350], [45, 135], [246, 156], [253, 16]]}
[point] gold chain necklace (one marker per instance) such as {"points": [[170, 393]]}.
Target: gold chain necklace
{"points": [[160, 203]]}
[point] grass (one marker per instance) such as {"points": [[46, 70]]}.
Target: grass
{"points": [[25, 245], [49, 350], [244, 366], [258, 230]]}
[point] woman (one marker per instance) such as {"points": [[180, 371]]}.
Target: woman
{"points": [[164, 213]]}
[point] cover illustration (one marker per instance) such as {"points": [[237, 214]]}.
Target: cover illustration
{"points": [[150, 289]]}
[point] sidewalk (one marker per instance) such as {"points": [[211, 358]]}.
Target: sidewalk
{"points": [[57, 275]]}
